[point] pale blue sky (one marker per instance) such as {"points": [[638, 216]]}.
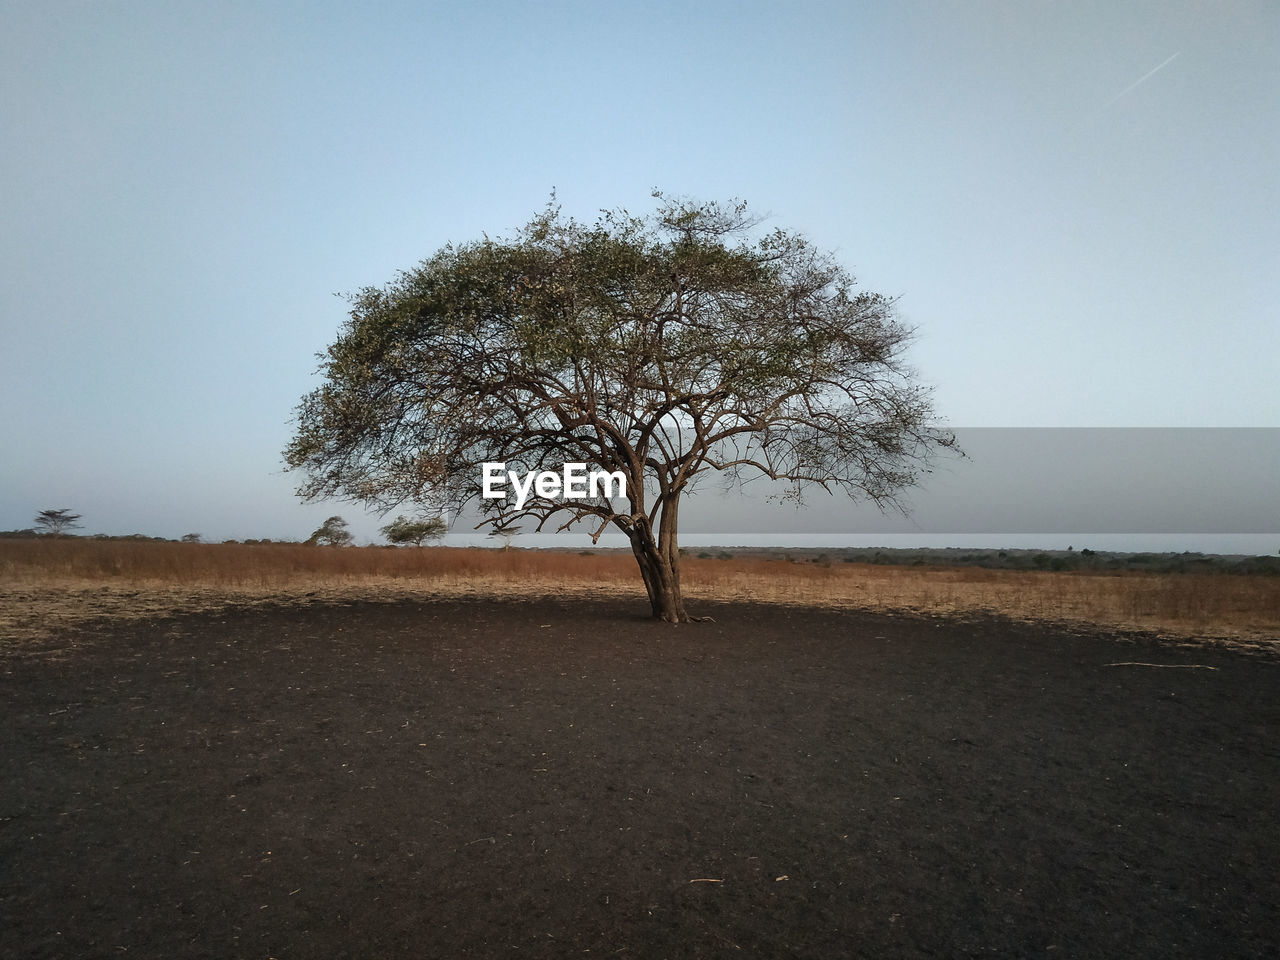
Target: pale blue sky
{"points": [[1081, 241]]}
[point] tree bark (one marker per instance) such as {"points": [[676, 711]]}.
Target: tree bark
{"points": [[660, 567]]}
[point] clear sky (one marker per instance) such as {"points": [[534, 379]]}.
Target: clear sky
{"points": [[1077, 203]]}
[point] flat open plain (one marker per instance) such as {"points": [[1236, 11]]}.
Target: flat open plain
{"points": [[543, 778]]}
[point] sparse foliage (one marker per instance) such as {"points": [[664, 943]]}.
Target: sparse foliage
{"points": [[332, 533], [57, 522], [191, 538], [402, 530], [506, 534], [662, 347]]}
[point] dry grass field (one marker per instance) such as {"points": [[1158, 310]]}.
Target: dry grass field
{"points": [[47, 582]]}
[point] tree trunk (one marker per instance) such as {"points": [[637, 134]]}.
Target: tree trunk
{"points": [[660, 567]]}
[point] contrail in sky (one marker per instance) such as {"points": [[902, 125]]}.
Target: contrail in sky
{"points": [[1141, 80]]}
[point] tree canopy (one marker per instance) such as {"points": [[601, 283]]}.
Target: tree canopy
{"points": [[332, 533], [404, 530], [662, 347], [56, 522]]}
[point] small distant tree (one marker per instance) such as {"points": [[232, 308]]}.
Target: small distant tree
{"points": [[506, 535], [191, 538], [402, 530], [55, 522], [332, 533]]}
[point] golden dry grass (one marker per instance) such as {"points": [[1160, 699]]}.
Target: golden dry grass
{"points": [[47, 582]]}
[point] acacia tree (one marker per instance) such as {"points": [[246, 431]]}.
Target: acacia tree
{"points": [[403, 530], [506, 534], [332, 533], [57, 521], [661, 347]]}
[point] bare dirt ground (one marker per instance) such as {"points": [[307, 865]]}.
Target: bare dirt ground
{"points": [[554, 777]]}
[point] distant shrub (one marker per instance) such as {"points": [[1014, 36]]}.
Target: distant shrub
{"points": [[1270, 566]]}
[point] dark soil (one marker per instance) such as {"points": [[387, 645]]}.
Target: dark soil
{"points": [[557, 779]]}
